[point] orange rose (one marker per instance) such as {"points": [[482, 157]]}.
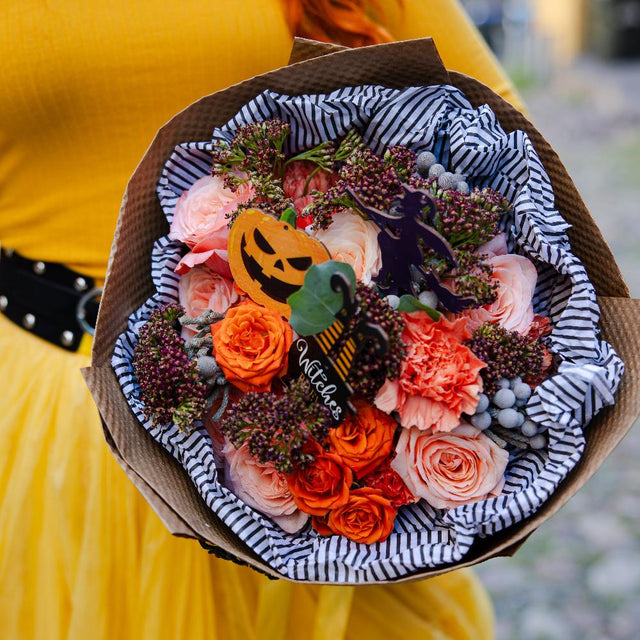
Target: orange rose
{"points": [[319, 524], [321, 485], [251, 346], [365, 439], [439, 377], [366, 517]]}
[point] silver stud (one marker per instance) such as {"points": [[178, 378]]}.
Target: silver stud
{"points": [[39, 267], [66, 338], [28, 321], [79, 284], [9, 253], [4, 302]]}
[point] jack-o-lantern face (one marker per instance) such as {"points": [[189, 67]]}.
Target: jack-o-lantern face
{"points": [[269, 257]]}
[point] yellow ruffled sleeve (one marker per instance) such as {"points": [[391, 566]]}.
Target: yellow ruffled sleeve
{"points": [[459, 43]]}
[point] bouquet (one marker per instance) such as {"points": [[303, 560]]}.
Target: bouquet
{"points": [[370, 345]]}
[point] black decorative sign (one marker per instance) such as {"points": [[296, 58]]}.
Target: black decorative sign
{"points": [[325, 357]]}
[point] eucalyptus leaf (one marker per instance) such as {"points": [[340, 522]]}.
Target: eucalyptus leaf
{"points": [[409, 303], [315, 305]]}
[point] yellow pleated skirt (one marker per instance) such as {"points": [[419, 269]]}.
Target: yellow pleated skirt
{"points": [[83, 557]]}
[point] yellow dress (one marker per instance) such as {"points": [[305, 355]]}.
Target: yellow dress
{"points": [[83, 88]]}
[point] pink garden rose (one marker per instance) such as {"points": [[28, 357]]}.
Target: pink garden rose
{"points": [[497, 246], [201, 289], [200, 221], [512, 309], [450, 469], [262, 487], [439, 376], [353, 240], [299, 185]]}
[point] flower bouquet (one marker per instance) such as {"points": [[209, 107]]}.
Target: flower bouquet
{"points": [[369, 348]]}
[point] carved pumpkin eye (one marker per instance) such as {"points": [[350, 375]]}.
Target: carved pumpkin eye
{"points": [[262, 243], [269, 258], [301, 264]]}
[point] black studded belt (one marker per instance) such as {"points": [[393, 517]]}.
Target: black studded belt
{"points": [[47, 299]]}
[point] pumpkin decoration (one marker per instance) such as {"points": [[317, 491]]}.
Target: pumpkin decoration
{"points": [[269, 258]]}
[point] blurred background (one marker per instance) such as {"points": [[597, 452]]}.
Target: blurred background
{"points": [[577, 66]]}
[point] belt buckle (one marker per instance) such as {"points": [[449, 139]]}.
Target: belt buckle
{"points": [[81, 309]]}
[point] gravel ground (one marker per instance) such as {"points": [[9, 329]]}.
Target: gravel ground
{"points": [[578, 576]]}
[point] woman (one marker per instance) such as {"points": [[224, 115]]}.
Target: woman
{"points": [[84, 88]]}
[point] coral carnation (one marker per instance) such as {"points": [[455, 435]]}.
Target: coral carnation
{"points": [[439, 377]]}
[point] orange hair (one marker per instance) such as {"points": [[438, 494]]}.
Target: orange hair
{"points": [[353, 23]]}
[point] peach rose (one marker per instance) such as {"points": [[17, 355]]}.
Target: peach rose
{"points": [[366, 517], [251, 346], [516, 277], [321, 485], [353, 240], [262, 487], [200, 221], [365, 439], [439, 376], [450, 469], [201, 289]]}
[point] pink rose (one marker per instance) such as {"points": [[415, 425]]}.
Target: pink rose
{"points": [[497, 246], [516, 277], [202, 289], [439, 376], [200, 221], [353, 240], [450, 469], [299, 184], [262, 487]]}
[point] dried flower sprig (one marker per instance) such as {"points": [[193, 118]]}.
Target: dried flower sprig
{"points": [[275, 427], [255, 155], [256, 148], [471, 278], [170, 386], [466, 220], [321, 155], [469, 221], [370, 370], [403, 161], [507, 354], [372, 178]]}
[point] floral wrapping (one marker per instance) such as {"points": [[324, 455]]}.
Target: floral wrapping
{"points": [[471, 142]]}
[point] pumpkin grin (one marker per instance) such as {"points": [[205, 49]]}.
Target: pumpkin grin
{"points": [[272, 286], [269, 258]]}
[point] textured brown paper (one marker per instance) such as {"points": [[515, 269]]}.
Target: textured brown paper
{"points": [[321, 68]]}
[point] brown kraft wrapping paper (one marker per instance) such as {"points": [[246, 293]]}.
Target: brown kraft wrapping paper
{"points": [[321, 68]]}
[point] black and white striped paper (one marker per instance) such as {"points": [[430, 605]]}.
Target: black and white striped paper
{"points": [[470, 141]]}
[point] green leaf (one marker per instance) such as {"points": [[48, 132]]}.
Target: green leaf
{"points": [[289, 216], [315, 304], [410, 303]]}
